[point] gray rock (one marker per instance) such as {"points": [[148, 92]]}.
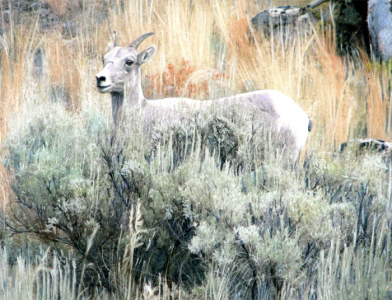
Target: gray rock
{"points": [[380, 27], [281, 20], [375, 145]]}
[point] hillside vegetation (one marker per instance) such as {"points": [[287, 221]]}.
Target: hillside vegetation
{"points": [[203, 207]]}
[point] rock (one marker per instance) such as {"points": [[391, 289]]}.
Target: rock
{"points": [[282, 19], [380, 27], [370, 144]]}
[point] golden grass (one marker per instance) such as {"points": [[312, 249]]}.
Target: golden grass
{"points": [[59, 7], [13, 68], [337, 109], [62, 68], [309, 70], [345, 98], [378, 99], [4, 186], [177, 82], [12, 71]]}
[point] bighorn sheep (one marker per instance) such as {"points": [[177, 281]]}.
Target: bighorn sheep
{"points": [[121, 77]]}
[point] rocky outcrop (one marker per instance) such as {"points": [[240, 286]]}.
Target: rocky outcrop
{"points": [[282, 20], [367, 23], [380, 27]]}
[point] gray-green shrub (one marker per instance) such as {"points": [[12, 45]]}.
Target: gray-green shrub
{"points": [[215, 197]]}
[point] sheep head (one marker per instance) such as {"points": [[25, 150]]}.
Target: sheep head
{"points": [[121, 67]]}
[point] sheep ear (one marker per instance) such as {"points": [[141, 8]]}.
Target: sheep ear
{"points": [[146, 55]]}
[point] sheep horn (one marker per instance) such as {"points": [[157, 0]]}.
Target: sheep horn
{"points": [[115, 38], [140, 39]]}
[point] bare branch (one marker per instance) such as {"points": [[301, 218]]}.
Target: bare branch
{"points": [[315, 3]]}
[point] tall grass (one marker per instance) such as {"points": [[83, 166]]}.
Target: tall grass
{"points": [[344, 96], [205, 50]]}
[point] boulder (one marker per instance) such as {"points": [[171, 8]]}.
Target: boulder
{"points": [[380, 27]]}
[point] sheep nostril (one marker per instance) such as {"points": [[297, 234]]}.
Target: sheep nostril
{"points": [[100, 79]]}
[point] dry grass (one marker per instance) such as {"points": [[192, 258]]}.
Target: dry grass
{"points": [[63, 72], [204, 52], [64, 7], [12, 71], [4, 186], [59, 7], [335, 100], [378, 104], [182, 81]]}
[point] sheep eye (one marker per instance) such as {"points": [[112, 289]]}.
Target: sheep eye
{"points": [[129, 63]]}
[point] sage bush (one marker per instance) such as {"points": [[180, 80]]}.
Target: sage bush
{"points": [[216, 202]]}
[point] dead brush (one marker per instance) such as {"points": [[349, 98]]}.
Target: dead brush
{"points": [[64, 76], [338, 110], [4, 187], [12, 62], [12, 71], [136, 231], [174, 82], [240, 46], [378, 104]]}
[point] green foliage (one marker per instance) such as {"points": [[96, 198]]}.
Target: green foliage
{"points": [[220, 212]]}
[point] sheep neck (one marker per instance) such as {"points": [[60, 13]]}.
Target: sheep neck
{"points": [[134, 90], [117, 102], [133, 93]]}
